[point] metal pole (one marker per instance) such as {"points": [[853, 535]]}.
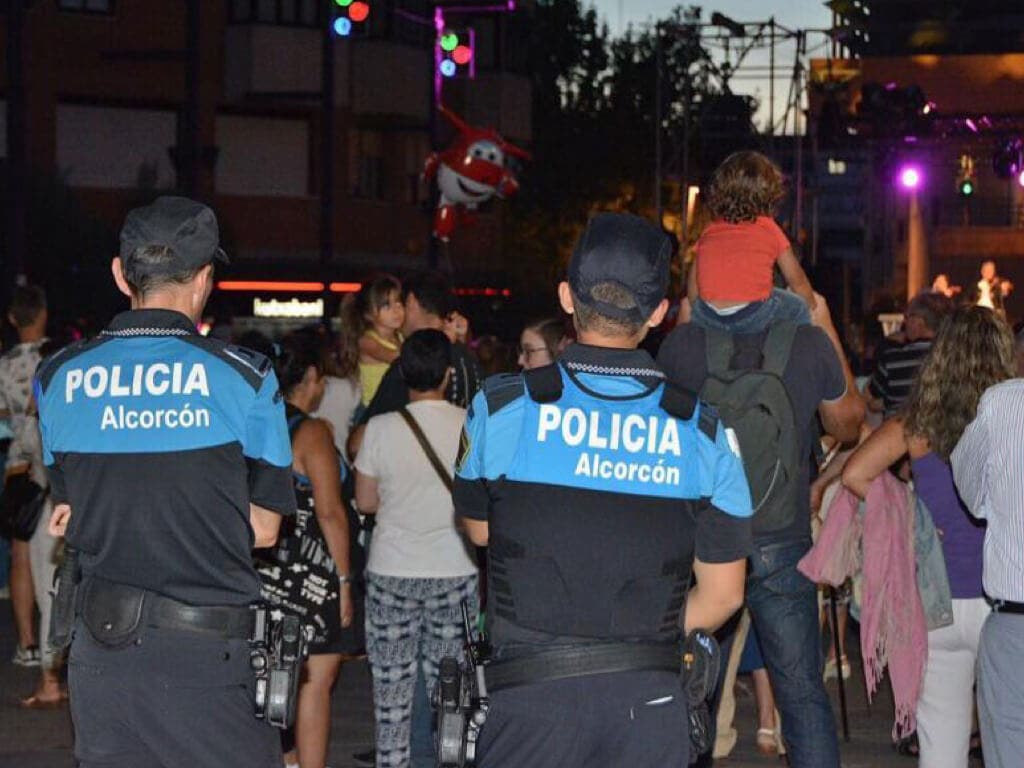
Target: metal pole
{"points": [[798, 219], [771, 76], [436, 89], [17, 194], [685, 231], [834, 615], [327, 147], [189, 147], [658, 55]]}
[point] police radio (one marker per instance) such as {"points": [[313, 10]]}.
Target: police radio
{"points": [[278, 649], [461, 701]]}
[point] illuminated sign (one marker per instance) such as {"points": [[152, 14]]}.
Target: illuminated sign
{"points": [[292, 309]]}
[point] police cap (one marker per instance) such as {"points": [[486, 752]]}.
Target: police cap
{"points": [[625, 250], [187, 228]]}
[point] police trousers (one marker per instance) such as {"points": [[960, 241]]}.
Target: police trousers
{"points": [[169, 699], [635, 719]]}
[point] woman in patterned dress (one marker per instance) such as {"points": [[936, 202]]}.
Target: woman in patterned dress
{"points": [[308, 572]]}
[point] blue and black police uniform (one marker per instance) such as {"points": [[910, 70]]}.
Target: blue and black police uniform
{"points": [[600, 483], [159, 440]]}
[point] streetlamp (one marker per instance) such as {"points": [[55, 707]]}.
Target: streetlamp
{"points": [[910, 178]]}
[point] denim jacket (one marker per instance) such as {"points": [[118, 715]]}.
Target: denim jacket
{"points": [[932, 579]]}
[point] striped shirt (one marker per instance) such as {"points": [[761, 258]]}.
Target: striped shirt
{"points": [[988, 466], [895, 374]]}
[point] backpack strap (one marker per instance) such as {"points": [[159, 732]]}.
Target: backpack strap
{"points": [[545, 383], [680, 402], [777, 347], [719, 349]]}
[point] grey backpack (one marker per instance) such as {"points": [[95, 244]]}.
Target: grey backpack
{"points": [[755, 404]]}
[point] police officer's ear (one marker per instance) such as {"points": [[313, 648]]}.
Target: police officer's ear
{"points": [[565, 297], [117, 268], [658, 316]]}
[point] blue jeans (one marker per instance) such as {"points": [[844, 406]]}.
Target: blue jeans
{"points": [[781, 306], [783, 605]]}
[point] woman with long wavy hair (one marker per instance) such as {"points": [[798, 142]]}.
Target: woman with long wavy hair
{"points": [[973, 350]]}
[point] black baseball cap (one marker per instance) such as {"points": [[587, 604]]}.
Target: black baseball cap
{"points": [[189, 229], [627, 251]]}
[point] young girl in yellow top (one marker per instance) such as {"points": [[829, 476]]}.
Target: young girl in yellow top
{"points": [[371, 330]]}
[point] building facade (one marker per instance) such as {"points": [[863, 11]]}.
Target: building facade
{"points": [[107, 105]]}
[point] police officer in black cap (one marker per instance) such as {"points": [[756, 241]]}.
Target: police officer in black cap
{"points": [[600, 488], [169, 460]]}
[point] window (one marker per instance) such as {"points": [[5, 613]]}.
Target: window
{"points": [[367, 165], [287, 13], [114, 147], [262, 156], [86, 6]]}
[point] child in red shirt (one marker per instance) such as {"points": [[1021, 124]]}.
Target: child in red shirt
{"points": [[737, 252]]}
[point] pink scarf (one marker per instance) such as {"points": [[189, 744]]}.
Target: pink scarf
{"points": [[893, 631]]}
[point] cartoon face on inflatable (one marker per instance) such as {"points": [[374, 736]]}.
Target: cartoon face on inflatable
{"points": [[470, 172]]}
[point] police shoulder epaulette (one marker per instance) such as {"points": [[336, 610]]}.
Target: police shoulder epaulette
{"points": [[50, 364], [707, 422], [502, 389], [251, 365], [545, 383], [682, 402]]}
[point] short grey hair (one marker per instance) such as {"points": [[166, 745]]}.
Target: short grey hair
{"points": [[587, 318], [146, 269]]}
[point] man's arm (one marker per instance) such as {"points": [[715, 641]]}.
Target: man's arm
{"points": [[265, 526], [268, 454], [841, 417], [970, 462], [477, 530], [717, 596], [469, 491], [723, 535]]}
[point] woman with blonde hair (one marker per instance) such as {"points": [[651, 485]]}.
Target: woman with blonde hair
{"points": [[972, 351]]}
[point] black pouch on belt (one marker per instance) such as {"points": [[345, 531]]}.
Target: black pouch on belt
{"points": [[112, 612]]}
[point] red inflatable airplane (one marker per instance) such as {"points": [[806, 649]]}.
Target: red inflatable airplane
{"points": [[469, 172]]}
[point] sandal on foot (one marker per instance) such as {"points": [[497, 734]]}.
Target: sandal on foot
{"points": [[908, 746], [34, 702], [766, 743]]}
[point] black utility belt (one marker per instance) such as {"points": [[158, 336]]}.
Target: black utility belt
{"points": [[1006, 606], [583, 661], [113, 613]]}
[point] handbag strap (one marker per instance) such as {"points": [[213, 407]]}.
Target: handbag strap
{"points": [[421, 438]]}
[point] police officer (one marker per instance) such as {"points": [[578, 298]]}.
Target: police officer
{"points": [[599, 488], [169, 460]]}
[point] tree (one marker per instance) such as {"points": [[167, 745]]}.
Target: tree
{"points": [[594, 121]]}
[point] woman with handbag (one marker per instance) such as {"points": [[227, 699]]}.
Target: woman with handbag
{"points": [[420, 569]]}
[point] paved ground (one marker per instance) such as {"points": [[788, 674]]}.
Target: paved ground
{"points": [[44, 739]]}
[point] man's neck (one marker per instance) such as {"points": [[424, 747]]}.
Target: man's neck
{"points": [[31, 334], [167, 301], [431, 394], [608, 342]]}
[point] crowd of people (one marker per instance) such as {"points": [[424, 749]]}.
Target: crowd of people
{"points": [[399, 525]]}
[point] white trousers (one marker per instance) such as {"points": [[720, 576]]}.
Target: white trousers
{"points": [[42, 553], [946, 708]]}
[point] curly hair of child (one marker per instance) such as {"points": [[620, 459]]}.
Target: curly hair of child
{"points": [[746, 185]]}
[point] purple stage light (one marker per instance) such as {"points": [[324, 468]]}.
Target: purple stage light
{"points": [[910, 177], [1020, 179]]}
